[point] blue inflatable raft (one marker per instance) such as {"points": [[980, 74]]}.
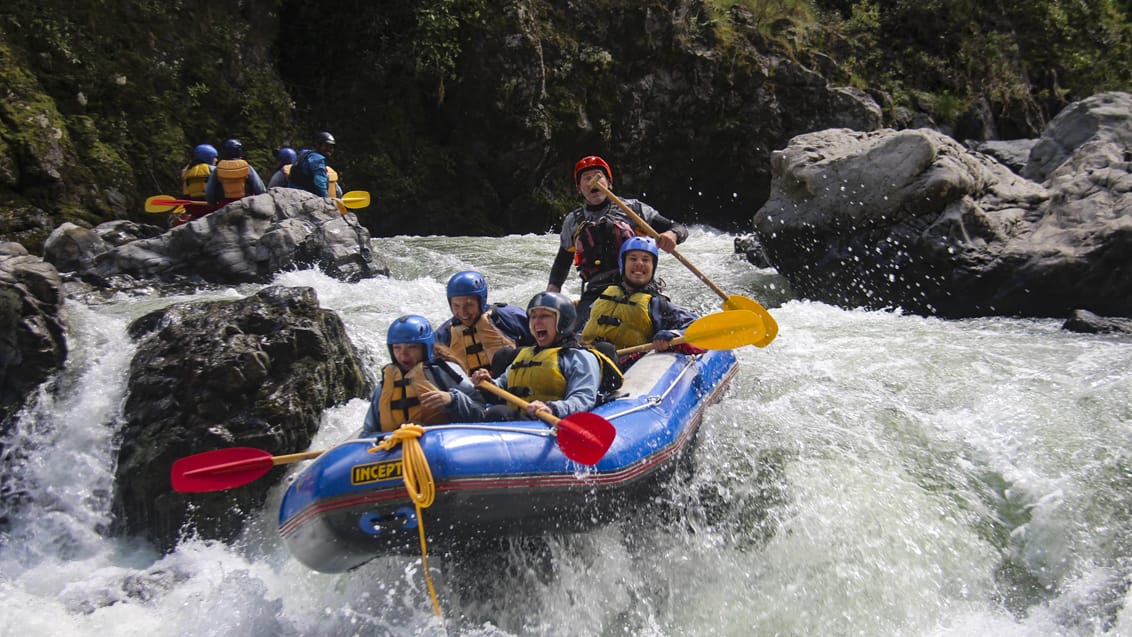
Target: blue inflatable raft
{"points": [[495, 480]]}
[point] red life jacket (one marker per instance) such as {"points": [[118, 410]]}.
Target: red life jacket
{"points": [[597, 243]]}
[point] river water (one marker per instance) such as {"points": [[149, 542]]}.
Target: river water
{"points": [[868, 473]]}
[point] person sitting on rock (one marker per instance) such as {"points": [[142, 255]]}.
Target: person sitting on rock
{"points": [[234, 178], [633, 311], [420, 386], [479, 334], [556, 374]]}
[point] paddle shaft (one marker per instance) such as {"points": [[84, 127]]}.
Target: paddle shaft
{"points": [[544, 416], [648, 346], [654, 234], [163, 203], [246, 464], [296, 457]]}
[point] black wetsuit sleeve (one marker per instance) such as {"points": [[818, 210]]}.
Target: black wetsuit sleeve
{"points": [[660, 223], [561, 268]]}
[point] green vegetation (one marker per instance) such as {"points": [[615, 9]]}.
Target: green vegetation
{"points": [[437, 47], [782, 23], [465, 116], [1025, 58]]}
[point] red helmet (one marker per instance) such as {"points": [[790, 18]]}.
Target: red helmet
{"points": [[589, 163]]}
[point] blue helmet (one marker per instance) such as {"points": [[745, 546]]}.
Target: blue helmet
{"points": [[205, 153], [468, 283], [286, 155], [232, 149], [645, 244], [411, 328], [561, 305]]}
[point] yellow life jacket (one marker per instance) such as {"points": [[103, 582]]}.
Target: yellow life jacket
{"points": [[475, 346], [331, 182], [233, 176], [535, 375], [400, 398], [620, 318], [194, 179]]}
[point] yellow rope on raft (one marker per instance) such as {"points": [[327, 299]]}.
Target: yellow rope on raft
{"points": [[422, 491]]}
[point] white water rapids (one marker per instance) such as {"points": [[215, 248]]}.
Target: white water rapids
{"points": [[868, 473]]}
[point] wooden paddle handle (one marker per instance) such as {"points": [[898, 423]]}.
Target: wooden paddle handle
{"points": [[653, 233], [544, 416], [647, 346], [296, 457]]}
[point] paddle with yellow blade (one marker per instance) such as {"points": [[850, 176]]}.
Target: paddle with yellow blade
{"points": [[583, 437], [722, 330], [730, 301], [165, 203], [353, 200], [228, 468]]}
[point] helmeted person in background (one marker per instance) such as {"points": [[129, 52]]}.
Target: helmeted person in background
{"points": [[194, 176], [234, 178], [556, 374], [419, 386], [633, 311], [479, 331], [593, 233], [310, 171], [285, 157]]}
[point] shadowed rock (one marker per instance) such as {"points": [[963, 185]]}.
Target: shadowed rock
{"points": [[1089, 323], [256, 372], [33, 343]]}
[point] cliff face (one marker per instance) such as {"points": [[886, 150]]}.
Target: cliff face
{"points": [[103, 100], [460, 116]]}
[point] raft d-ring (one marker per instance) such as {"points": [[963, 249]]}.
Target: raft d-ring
{"points": [[376, 523]]}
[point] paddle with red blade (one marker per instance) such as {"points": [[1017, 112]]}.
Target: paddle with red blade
{"points": [[228, 468], [583, 437]]}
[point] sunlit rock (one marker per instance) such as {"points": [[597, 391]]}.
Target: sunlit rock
{"points": [[914, 220], [249, 240]]}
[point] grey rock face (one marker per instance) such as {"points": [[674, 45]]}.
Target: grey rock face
{"points": [[911, 219], [249, 240]]}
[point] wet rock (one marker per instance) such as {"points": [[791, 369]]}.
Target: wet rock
{"points": [[752, 251], [1088, 323], [912, 219], [255, 372], [249, 240], [33, 343]]}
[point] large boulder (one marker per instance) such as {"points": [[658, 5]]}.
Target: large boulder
{"points": [[255, 372], [249, 240], [33, 336], [33, 347], [912, 219], [75, 248]]}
